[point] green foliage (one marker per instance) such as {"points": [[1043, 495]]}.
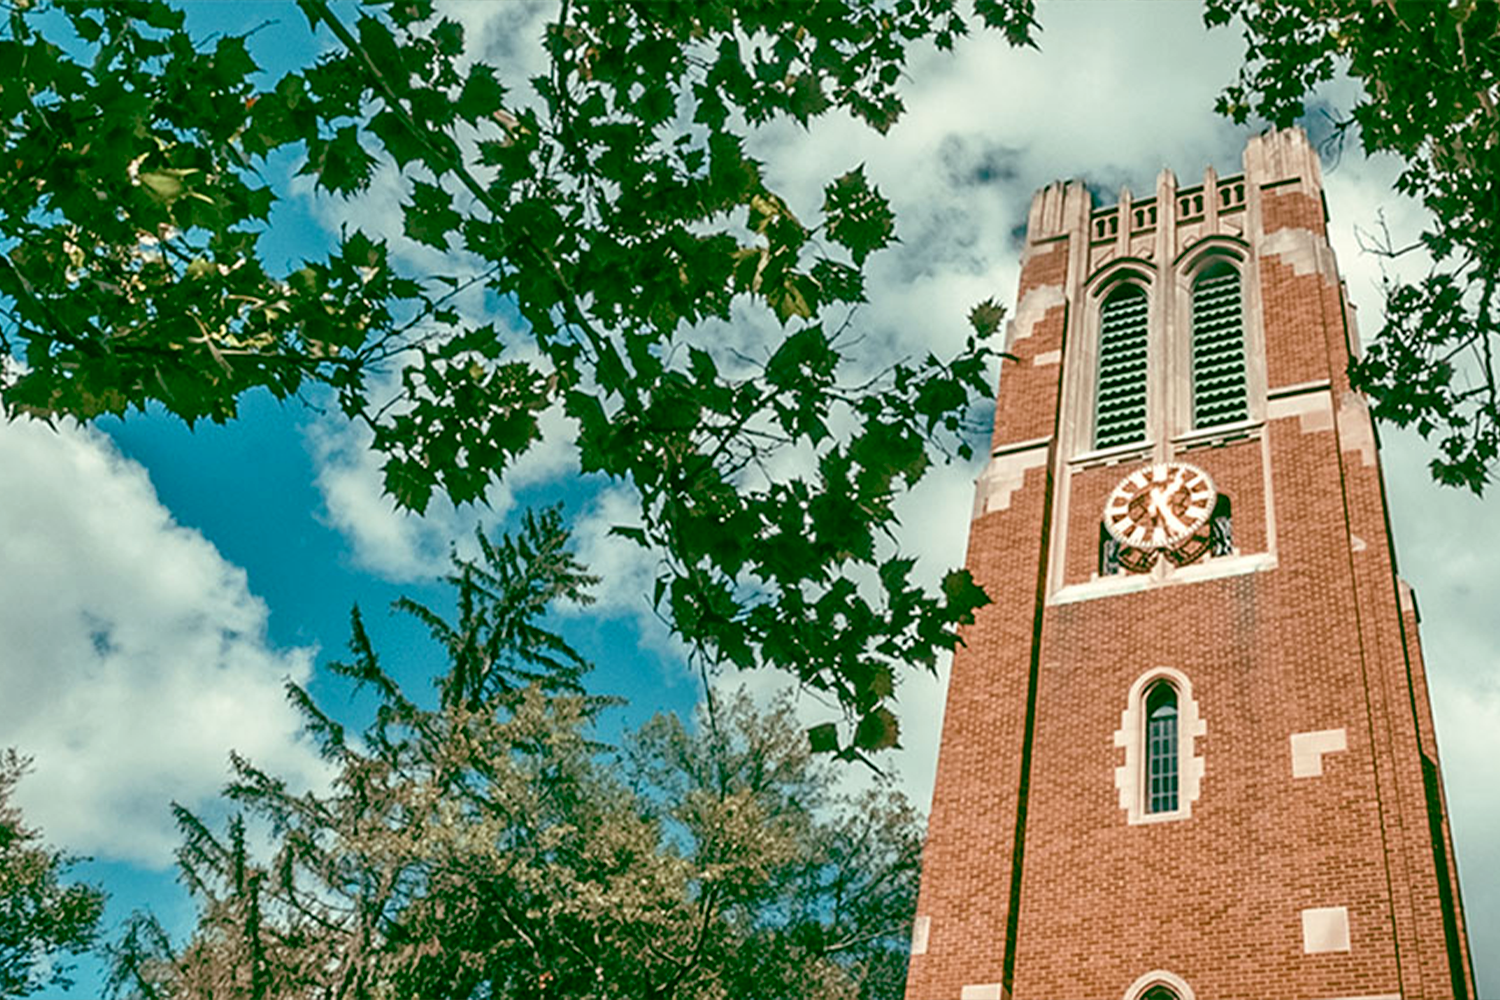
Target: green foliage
{"points": [[497, 647], [607, 204], [41, 918], [492, 847], [1430, 72]]}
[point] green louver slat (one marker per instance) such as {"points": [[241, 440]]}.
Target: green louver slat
{"points": [[1218, 349], [1120, 403]]}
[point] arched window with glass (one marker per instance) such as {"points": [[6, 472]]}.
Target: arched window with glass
{"points": [[1160, 984], [1162, 773], [1219, 395], [1120, 399], [1161, 748]]}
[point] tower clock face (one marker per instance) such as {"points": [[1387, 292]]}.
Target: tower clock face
{"points": [[1160, 507]]}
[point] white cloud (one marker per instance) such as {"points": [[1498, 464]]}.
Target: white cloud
{"points": [[1445, 540], [1468, 717], [627, 570], [132, 656], [397, 544], [939, 543], [387, 541]]}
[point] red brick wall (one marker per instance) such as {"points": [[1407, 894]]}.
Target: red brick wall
{"points": [[972, 826], [1316, 641], [1288, 207], [1027, 402], [1293, 302], [1087, 491], [1215, 897]]}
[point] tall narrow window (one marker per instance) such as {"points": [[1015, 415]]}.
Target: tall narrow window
{"points": [[1221, 529], [1162, 773], [1218, 348], [1159, 993], [1120, 415], [1109, 552], [1161, 749]]}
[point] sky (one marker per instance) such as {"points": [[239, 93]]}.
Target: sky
{"points": [[161, 586]]}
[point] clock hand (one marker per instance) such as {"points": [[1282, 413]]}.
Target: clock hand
{"points": [[1165, 513], [1158, 504]]}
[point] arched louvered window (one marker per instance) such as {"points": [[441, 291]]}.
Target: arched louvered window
{"points": [[1159, 993], [1218, 347], [1120, 412], [1161, 748]]}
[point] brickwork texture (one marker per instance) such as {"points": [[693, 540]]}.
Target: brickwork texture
{"points": [[1036, 883]]}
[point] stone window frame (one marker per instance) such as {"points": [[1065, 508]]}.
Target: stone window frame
{"points": [[1219, 265], [1130, 777], [1169, 428], [1118, 291], [1178, 361], [1082, 366], [1169, 346], [1156, 979]]}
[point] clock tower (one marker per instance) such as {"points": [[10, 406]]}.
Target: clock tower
{"points": [[1188, 752]]}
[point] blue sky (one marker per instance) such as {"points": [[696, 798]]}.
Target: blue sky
{"points": [[161, 584]]}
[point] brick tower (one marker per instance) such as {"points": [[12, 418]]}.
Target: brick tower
{"points": [[1188, 752]]}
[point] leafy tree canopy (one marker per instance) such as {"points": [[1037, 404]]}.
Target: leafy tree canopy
{"points": [[41, 918], [1431, 75], [492, 847], [608, 204]]}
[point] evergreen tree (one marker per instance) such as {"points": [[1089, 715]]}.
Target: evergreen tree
{"points": [[492, 846]]}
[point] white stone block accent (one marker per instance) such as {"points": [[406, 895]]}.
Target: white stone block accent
{"points": [[1314, 409], [1034, 305], [1005, 474], [1047, 358], [1408, 597], [984, 991], [1308, 750], [1324, 929], [1283, 155], [1302, 249], [921, 929], [1356, 430]]}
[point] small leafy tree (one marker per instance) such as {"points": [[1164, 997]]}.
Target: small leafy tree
{"points": [[1431, 75], [41, 917], [491, 846]]}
